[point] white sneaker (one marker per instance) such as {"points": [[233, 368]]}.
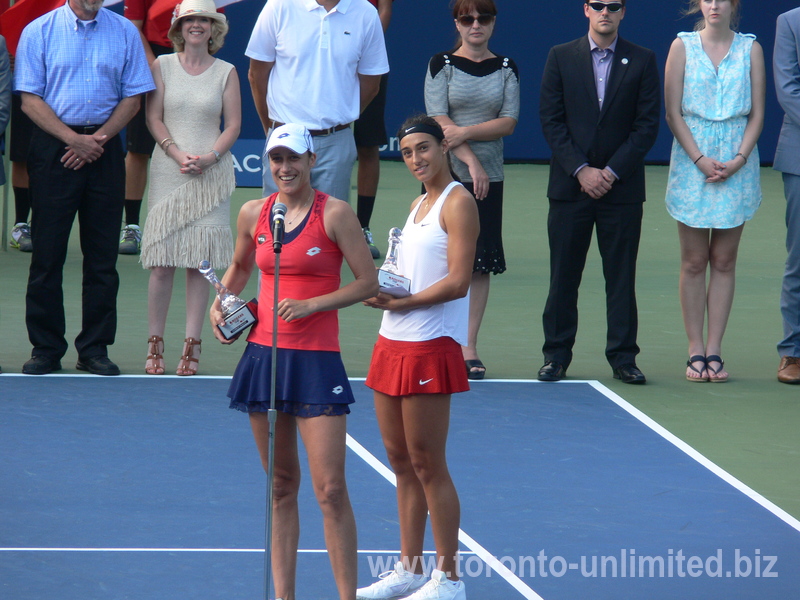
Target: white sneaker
{"points": [[391, 585], [440, 588]]}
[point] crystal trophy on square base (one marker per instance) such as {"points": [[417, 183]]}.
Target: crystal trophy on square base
{"points": [[389, 278], [238, 314]]}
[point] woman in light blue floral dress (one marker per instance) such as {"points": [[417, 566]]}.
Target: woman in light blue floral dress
{"points": [[714, 94]]}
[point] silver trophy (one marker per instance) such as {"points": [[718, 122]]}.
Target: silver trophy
{"points": [[237, 313], [389, 278]]}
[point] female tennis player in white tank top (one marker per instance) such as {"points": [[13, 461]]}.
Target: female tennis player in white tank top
{"points": [[417, 364]]}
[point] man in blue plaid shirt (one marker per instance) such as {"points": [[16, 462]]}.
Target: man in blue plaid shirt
{"points": [[81, 71]]}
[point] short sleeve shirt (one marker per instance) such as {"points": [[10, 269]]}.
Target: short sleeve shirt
{"points": [[82, 69], [317, 58]]}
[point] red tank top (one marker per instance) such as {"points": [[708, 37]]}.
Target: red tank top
{"points": [[311, 266]]}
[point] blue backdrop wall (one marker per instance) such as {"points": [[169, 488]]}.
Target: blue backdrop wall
{"points": [[525, 31]]}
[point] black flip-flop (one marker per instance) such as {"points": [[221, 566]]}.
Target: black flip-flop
{"points": [[694, 359], [715, 358], [475, 364]]}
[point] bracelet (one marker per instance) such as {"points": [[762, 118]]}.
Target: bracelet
{"points": [[169, 143], [215, 153], [742, 155], [698, 158], [161, 143]]}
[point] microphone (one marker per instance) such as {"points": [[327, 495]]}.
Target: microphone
{"points": [[278, 218]]}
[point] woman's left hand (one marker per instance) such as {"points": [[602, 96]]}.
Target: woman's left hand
{"points": [[290, 309], [733, 166], [726, 170], [381, 301], [480, 180]]}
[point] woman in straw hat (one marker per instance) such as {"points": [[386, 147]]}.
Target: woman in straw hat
{"points": [[191, 181]]}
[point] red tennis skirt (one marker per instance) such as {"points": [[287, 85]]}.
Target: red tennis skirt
{"points": [[412, 368]]}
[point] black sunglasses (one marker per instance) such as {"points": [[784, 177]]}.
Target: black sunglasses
{"points": [[468, 20], [611, 6]]}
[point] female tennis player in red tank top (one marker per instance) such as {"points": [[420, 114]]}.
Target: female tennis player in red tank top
{"points": [[312, 391]]}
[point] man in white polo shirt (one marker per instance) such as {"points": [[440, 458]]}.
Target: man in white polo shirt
{"points": [[317, 63]]}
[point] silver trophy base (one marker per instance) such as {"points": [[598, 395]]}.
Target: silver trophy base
{"points": [[237, 321], [394, 284]]}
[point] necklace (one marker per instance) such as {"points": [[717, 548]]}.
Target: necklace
{"points": [[301, 209]]}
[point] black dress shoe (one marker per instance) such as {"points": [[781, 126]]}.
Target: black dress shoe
{"points": [[97, 365], [41, 365], [629, 374], [552, 371]]}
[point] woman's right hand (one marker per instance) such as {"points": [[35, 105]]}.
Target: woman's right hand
{"points": [[216, 318], [714, 170], [454, 135]]}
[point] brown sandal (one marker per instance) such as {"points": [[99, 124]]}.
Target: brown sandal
{"points": [[155, 356], [185, 364]]}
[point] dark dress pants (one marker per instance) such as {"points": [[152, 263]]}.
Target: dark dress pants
{"points": [[96, 193], [569, 227]]}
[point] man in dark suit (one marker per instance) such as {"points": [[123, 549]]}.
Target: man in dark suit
{"points": [[787, 160], [599, 108]]}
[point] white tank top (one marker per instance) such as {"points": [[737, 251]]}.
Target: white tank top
{"points": [[423, 258]]}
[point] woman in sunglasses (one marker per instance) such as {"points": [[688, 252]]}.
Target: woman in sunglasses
{"points": [[714, 93], [474, 95]]}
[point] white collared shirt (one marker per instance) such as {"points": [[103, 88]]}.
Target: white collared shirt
{"points": [[318, 56]]}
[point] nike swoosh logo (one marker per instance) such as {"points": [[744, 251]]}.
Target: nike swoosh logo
{"points": [[426, 381]]}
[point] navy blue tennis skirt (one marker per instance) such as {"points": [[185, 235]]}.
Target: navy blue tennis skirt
{"points": [[310, 383]]}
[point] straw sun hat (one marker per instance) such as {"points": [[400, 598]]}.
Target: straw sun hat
{"points": [[195, 8]]}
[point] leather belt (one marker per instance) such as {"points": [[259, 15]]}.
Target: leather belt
{"points": [[314, 132], [84, 129]]}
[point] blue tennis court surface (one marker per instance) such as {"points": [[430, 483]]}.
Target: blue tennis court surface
{"points": [[150, 488]]}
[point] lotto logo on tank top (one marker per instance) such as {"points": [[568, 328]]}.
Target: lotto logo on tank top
{"points": [[313, 251]]}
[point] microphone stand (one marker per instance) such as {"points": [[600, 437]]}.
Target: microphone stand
{"points": [[272, 413]]}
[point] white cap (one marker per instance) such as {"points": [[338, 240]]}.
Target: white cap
{"points": [[292, 136]]}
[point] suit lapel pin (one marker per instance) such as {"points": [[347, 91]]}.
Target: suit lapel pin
{"points": [[624, 61]]}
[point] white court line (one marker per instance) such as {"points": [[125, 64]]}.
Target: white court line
{"points": [[465, 539], [692, 453], [200, 550], [228, 377]]}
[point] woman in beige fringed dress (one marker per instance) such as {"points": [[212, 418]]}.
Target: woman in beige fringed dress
{"points": [[191, 181]]}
